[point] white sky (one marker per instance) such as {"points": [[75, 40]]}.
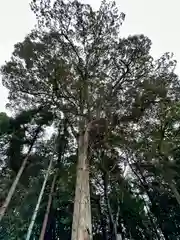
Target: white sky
{"points": [[157, 19]]}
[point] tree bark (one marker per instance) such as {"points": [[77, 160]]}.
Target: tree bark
{"points": [[38, 202], [43, 230], [81, 226]]}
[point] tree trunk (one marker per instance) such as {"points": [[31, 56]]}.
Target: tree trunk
{"points": [[144, 184], [113, 224], [13, 188], [175, 192], [43, 230], [81, 227], [38, 202], [118, 236], [103, 221], [18, 176], [50, 227]]}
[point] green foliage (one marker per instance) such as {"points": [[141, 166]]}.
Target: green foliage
{"points": [[4, 123], [74, 68]]}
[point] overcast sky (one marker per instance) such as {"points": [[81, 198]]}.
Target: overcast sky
{"points": [[157, 19]]}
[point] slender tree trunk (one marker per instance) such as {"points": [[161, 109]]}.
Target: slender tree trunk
{"points": [[175, 192], [81, 227], [13, 188], [38, 202], [111, 218], [43, 230], [172, 185], [144, 183], [50, 227], [18, 176], [103, 221]]}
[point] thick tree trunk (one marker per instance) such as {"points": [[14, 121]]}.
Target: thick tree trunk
{"points": [[38, 202], [43, 230], [13, 188], [81, 227]]}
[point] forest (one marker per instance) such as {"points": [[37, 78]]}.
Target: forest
{"points": [[91, 149]]}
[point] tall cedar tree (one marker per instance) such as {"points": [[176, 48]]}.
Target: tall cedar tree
{"points": [[75, 64]]}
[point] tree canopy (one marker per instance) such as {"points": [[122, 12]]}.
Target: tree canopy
{"points": [[75, 74]]}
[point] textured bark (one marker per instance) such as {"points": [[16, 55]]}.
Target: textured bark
{"points": [[81, 227], [38, 202], [43, 230]]}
